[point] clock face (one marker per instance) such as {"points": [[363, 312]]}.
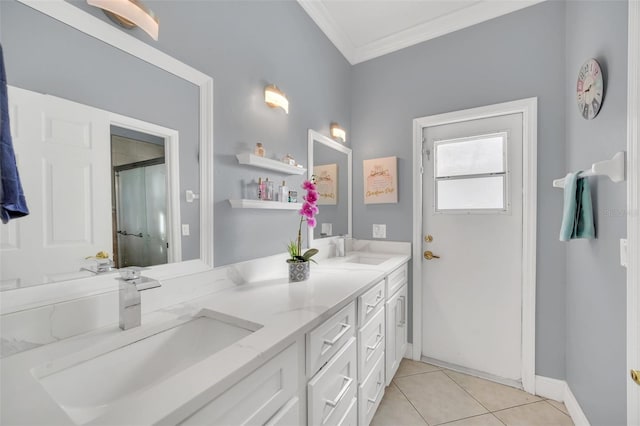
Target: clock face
{"points": [[589, 89]]}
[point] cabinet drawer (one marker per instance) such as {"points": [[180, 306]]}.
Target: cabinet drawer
{"points": [[397, 279], [369, 303], [371, 344], [289, 415], [370, 393], [330, 392], [326, 339], [351, 417], [256, 398]]}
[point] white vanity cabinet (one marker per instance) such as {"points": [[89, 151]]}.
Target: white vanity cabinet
{"points": [[267, 396], [396, 321]]}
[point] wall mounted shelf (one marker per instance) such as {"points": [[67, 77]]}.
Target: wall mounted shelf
{"points": [[269, 164], [259, 204]]}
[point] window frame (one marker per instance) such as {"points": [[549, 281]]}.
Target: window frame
{"points": [[506, 210]]}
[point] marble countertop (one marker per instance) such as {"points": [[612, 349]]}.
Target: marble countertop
{"points": [[286, 311]]}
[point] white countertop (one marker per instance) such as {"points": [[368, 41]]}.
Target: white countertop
{"points": [[285, 310]]}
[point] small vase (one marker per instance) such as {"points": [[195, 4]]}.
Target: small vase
{"points": [[298, 271]]}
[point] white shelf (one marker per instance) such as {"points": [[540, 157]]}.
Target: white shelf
{"points": [[267, 163], [259, 204]]}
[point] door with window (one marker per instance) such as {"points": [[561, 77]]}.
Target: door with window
{"points": [[472, 265]]}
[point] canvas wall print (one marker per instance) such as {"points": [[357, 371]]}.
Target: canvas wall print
{"points": [[380, 180], [327, 183]]}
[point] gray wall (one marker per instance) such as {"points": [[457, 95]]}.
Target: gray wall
{"points": [[245, 45], [61, 61], [516, 56], [596, 283]]}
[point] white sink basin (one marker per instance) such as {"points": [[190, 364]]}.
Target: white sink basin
{"points": [[87, 383], [366, 258]]}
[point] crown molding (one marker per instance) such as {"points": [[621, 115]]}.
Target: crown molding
{"points": [[323, 19], [454, 21]]}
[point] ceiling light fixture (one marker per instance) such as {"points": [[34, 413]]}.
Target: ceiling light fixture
{"points": [[130, 14], [275, 98], [338, 132]]}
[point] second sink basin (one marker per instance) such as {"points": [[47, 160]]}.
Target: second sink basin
{"points": [[366, 258], [85, 384]]}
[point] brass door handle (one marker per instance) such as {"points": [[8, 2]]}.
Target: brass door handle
{"points": [[429, 255], [635, 375]]}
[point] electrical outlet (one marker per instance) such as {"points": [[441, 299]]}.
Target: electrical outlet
{"points": [[380, 231], [185, 230]]}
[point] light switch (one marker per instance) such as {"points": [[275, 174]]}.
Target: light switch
{"points": [[379, 231], [185, 230]]}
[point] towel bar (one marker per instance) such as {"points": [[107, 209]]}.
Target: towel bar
{"points": [[613, 168]]}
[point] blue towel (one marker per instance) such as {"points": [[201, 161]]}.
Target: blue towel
{"points": [[12, 201], [577, 217]]}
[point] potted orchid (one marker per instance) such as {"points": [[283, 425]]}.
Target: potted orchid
{"points": [[299, 262]]}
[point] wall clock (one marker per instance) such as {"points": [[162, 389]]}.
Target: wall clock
{"points": [[590, 89]]}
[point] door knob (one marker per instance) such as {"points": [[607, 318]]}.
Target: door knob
{"points": [[429, 255], [635, 375]]}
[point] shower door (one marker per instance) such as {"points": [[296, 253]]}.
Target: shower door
{"points": [[141, 214]]}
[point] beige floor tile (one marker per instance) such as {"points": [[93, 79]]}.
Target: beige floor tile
{"points": [[409, 367], [559, 405], [439, 399], [536, 414], [483, 420], [493, 396], [396, 410]]}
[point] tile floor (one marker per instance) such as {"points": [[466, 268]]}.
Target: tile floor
{"points": [[422, 394]]}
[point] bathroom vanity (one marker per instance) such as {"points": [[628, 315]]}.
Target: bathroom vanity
{"points": [[252, 351]]}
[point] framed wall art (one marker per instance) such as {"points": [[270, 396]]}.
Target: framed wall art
{"points": [[380, 180]]}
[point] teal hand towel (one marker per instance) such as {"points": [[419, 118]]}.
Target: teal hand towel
{"points": [[577, 216]]}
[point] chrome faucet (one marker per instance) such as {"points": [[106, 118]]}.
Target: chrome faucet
{"points": [[131, 284]]}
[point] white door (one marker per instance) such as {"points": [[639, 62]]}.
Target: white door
{"points": [[63, 155], [472, 209]]}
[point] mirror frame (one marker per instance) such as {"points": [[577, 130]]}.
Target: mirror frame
{"points": [[324, 140], [60, 10]]}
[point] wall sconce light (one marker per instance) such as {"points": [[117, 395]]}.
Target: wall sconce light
{"points": [[130, 14], [338, 132], [275, 98]]}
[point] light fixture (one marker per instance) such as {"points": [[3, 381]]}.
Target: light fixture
{"points": [[129, 14], [275, 98], [338, 132]]}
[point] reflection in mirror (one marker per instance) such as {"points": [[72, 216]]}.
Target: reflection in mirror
{"points": [[138, 199], [66, 166], [330, 163]]}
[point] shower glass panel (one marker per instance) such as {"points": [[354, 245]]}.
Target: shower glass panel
{"points": [[141, 207]]}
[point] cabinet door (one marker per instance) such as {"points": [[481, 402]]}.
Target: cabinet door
{"points": [[396, 327], [391, 362], [401, 326]]}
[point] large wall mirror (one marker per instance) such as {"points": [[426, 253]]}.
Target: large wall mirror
{"points": [[330, 164], [143, 122]]}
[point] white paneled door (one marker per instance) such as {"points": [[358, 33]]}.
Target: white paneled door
{"points": [[472, 243], [63, 155]]}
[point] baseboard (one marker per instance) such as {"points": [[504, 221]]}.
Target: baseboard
{"points": [[559, 390], [551, 388], [577, 415], [409, 352]]}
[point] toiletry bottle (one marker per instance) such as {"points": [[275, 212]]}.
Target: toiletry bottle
{"points": [[293, 196], [260, 189], [283, 193], [268, 190], [259, 150]]}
